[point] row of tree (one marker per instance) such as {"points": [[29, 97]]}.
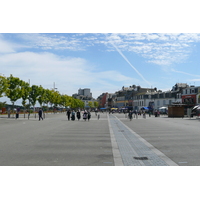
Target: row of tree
{"points": [[15, 89]]}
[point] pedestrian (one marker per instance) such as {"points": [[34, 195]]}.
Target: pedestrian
{"points": [[68, 114], [40, 114], [89, 115], [85, 115], [156, 113], [130, 115], [135, 114], [96, 111], [144, 114], [149, 113], [78, 114], [73, 115]]}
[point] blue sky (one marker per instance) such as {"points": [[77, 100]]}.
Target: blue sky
{"points": [[103, 62], [88, 48]]}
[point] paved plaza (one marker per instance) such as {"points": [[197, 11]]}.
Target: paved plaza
{"points": [[112, 140]]}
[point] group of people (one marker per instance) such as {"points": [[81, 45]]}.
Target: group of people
{"points": [[135, 113], [73, 115]]}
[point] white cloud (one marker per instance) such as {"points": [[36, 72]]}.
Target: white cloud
{"points": [[52, 41], [70, 73], [195, 80], [181, 72], [174, 47], [160, 49], [6, 47]]}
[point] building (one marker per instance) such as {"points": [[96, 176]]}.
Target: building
{"points": [[136, 97], [191, 96], [85, 92], [84, 95], [103, 100], [156, 99]]}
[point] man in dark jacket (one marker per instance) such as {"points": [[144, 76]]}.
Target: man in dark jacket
{"points": [[40, 114], [68, 114]]}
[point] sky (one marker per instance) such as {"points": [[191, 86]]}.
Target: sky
{"points": [[103, 51], [103, 62]]}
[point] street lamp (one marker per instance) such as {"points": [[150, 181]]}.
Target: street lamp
{"points": [[54, 86]]}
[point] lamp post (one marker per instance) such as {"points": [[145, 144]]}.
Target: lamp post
{"points": [[54, 86]]}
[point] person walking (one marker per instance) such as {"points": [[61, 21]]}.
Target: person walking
{"points": [[40, 114], [73, 115], [144, 114], [85, 115], [130, 115], [89, 115], [68, 114], [78, 115]]}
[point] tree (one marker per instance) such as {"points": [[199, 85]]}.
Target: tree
{"points": [[81, 104], [56, 98], [25, 94], [91, 104], [14, 89], [48, 96], [41, 97], [96, 104], [77, 103], [3, 85], [34, 94], [2, 104], [65, 100]]}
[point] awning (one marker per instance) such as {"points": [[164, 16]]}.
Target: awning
{"points": [[163, 108], [103, 108], [114, 108], [145, 108]]}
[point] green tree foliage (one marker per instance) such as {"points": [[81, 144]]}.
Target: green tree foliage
{"points": [[14, 89], [3, 85], [91, 104], [64, 100], [81, 104], [34, 94], [47, 96], [96, 104], [25, 93], [76, 103], [42, 95], [56, 98], [2, 105]]}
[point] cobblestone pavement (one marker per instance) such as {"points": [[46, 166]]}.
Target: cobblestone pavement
{"points": [[134, 150]]}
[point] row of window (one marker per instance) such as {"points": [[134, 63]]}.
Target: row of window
{"points": [[158, 96], [157, 103]]}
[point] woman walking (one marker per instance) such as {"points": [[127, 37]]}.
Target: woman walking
{"points": [[73, 115], [78, 114], [130, 115], [68, 114], [89, 115], [85, 115]]}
